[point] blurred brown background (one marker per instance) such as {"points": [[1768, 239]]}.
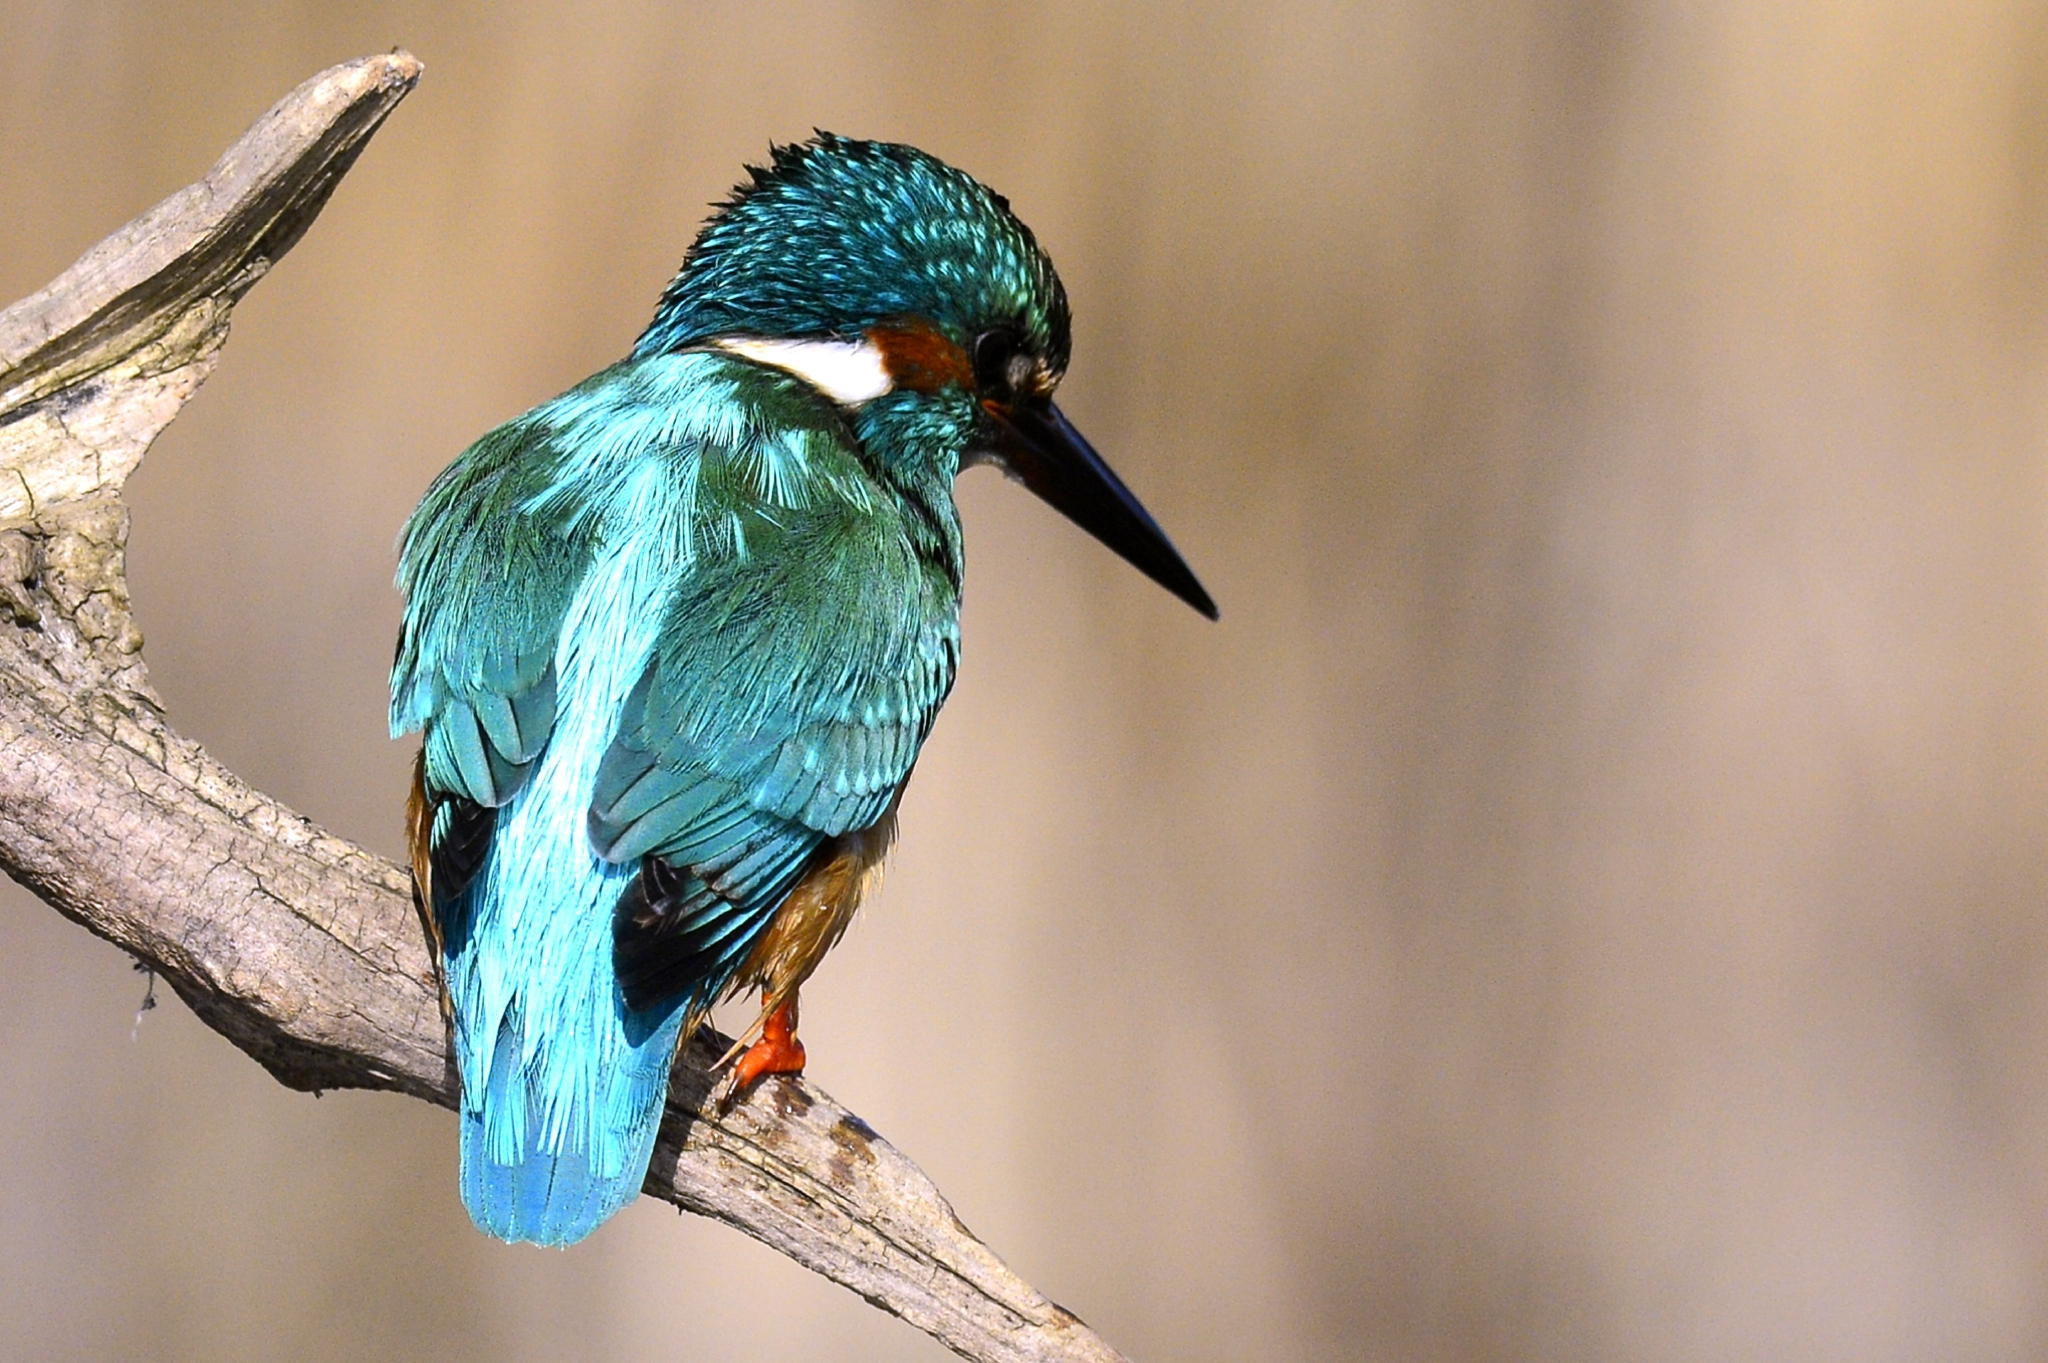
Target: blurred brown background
{"points": [[1586, 899]]}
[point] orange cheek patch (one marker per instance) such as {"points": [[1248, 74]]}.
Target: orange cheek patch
{"points": [[918, 356]]}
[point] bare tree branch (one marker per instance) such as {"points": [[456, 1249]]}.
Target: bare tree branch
{"points": [[296, 945]]}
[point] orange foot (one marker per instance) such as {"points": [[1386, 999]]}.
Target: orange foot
{"points": [[777, 1052]]}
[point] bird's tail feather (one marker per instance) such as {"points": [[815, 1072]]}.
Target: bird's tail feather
{"points": [[521, 1183]]}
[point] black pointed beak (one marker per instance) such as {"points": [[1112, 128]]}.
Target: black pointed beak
{"points": [[1055, 461]]}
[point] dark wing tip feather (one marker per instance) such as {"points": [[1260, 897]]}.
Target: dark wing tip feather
{"points": [[449, 836], [682, 931]]}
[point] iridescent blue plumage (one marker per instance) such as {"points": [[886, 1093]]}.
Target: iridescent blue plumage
{"points": [[675, 637]]}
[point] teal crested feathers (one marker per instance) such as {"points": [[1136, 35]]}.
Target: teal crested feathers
{"points": [[836, 235], [675, 638]]}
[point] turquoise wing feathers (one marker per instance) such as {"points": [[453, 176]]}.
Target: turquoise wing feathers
{"points": [[783, 705], [486, 584], [806, 695]]}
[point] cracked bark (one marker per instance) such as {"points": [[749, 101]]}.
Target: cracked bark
{"points": [[297, 945]]}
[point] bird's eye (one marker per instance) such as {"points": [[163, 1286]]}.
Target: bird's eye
{"points": [[1000, 366]]}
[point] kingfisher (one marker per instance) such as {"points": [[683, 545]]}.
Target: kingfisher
{"points": [[675, 637]]}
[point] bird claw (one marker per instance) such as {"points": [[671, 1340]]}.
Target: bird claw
{"points": [[777, 1051]]}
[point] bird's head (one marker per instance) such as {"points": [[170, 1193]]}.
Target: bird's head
{"points": [[903, 288]]}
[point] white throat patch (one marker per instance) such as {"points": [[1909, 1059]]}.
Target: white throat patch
{"points": [[848, 372]]}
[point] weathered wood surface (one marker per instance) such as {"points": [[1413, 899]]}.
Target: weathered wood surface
{"points": [[296, 945]]}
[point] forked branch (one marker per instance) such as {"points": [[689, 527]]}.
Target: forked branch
{"points": [[296, 945]]}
